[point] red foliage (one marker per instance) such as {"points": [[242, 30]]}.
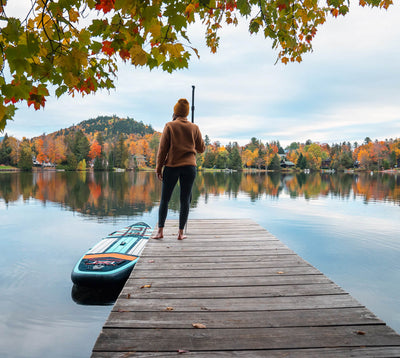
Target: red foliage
{"points": [[124, 54], [107, 49], [95, 150], [105, 5], [36, 99]]}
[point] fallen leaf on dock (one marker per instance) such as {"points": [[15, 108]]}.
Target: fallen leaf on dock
{"points": [[199, 325], [146, 286], [128, 295], [361, 333], [151, 261], [169, 309], [182, 351], [280, 272]]}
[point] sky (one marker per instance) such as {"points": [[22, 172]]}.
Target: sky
{"points": [[347, 89]]}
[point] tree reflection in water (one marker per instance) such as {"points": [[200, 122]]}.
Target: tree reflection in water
{"points": [[103, 194]]}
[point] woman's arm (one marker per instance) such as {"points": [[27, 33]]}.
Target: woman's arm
{"points": [[163, 149]]}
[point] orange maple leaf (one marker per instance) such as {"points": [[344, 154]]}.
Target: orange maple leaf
{"points": [[107, 49]]}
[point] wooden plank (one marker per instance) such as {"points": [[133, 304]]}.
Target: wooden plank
{"points": [[114, 339], [356, 352], [235, 272], [255, 236], [237, 304], [221, 232], [228, 281], [208, 239], [221, 292], [197, 243], [144, 258], [211, 253], [182, 246], [244, 319], [167, 263]]}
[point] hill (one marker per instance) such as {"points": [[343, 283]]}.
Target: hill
{"points": [[109, 127]]}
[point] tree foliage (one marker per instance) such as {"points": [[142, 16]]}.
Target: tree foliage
{"points": [[25, 156], [74, 45]]}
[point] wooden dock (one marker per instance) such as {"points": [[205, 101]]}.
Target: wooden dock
{"points": [[234, 290]]}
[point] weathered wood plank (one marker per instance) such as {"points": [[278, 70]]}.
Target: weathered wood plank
{"points": [[221, 292], [237, 304], [211, 253], [144, 258], [197, 242], [114, 339], [182, 246], [257, 236], [218, 238], [235, 272], [228, 282], [167, 263], [244, 319], [356, 352]]}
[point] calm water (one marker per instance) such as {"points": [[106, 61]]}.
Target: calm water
{"points": [[346, 225]]}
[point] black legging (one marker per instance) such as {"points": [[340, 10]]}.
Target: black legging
{"points": [[186, 175]]}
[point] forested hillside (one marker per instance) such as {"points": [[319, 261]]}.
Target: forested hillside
{"points": [[108, 142], [104, 142], [109, 127]]}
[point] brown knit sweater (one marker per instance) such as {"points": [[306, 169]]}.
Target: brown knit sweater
{"points": [[179, 143]]}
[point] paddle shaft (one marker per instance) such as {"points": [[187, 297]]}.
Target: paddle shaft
{"points": [[193, 87]]}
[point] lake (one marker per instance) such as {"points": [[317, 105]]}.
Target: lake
{"points": [[346, 225]]}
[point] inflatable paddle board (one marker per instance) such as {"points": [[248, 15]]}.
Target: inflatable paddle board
{"points": [[112, 259]]}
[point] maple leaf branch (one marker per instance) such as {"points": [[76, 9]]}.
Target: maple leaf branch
{"points": [[30, 11], [59, 47], [3, 12], [45, 2], [166, 34]]}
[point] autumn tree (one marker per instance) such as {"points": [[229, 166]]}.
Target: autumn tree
{"points": [[120, 153], [60, 150], [25, 162], [5, 151], [13, 143], [221, 160], [235, 161], [301, 162], [95, 150], [81, 146], [41, 155], [275, 163], [74, 45], [209, 159]]}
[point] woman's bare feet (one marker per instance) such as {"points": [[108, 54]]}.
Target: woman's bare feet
{"points": [[159, 235], [181, 236]]}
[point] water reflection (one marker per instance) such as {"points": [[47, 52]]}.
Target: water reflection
{"points": [[103, 296], [133, 193]]}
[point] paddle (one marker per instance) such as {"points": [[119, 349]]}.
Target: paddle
{"points": [[193, 87]]}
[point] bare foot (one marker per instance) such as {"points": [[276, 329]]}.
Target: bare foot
{"points": [[181, 236], [159, 235]]}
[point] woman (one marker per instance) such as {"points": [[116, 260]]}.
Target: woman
{"points": [[179, 143]]}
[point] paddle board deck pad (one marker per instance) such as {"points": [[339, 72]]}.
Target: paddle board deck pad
{"points": [[112, 259]]}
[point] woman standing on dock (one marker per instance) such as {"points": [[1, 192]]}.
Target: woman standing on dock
{"points": [[179, 143]]}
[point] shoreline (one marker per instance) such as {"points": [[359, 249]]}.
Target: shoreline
{"points": [[5, 169]]}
